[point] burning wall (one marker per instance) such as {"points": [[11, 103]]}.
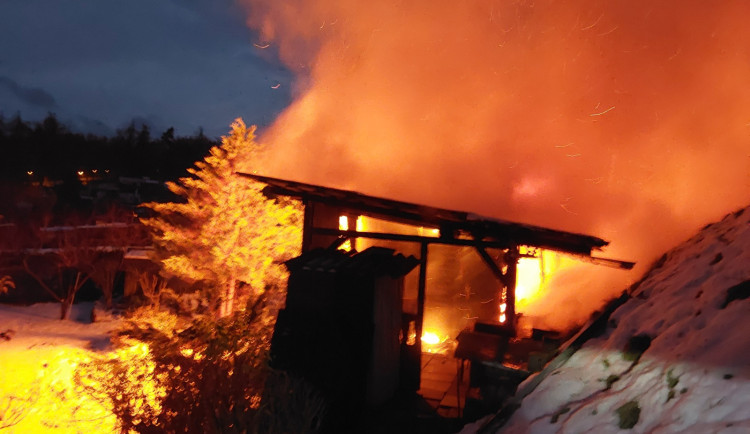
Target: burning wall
{"points": [[626, 120]]}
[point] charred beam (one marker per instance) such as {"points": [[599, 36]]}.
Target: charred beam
{"points": [[614, 263], [307, 225], [507, 279], [408, 238], [511, 260], [492, 265]]}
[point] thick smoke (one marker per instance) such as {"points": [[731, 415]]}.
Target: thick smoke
{"points": [[628, 120]]}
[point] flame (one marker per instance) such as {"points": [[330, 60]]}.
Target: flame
{"points": [[343, 223], [528, 280], [344, 226], [624, 121], [434, 342], [430, 338]]}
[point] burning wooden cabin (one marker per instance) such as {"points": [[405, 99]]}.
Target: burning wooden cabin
{"points": [[484, 312]]}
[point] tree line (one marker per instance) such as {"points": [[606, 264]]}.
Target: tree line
{"points": [[48, 149]]}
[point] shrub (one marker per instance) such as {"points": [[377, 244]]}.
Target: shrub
{"points": [[13, 409], [610, 380], [184, 375], [741, 291], [636, 346], [559, 413], [628, 414], [290, 405]]}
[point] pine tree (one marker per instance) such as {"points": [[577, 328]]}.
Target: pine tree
{"points": [[226, 233]]}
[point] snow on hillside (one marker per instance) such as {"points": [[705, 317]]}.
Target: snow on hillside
{"points": [[38, 356], [691, 313]]}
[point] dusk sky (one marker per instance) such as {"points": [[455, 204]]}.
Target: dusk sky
{"points": [[100, 64]]}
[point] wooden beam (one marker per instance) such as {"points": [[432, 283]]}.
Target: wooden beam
{"points": [[470, 242], [614, 263], [511, 260], [408, 238], [491, 264], [507, 279]]}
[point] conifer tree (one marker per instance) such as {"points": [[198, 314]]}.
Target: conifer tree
{"points": [[226, 233]]}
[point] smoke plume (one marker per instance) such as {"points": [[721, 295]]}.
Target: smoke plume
{"points": [[628, 120]]}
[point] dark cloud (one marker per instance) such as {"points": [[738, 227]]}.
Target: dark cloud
{"points": [[185, 64], [30, 95]]}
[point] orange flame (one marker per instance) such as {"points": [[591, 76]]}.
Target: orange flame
{"points": [[603, 132], [344, 226]]}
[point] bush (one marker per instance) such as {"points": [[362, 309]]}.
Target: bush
{"points": [[636, 346], [628, 414], [184, 375], [291, 405], [13, 409], [740, 291]]}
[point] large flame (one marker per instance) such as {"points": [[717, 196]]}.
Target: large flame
{"points": [[628, 120]]}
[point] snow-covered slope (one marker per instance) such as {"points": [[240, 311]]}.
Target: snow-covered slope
{"points": [[691, 313]]}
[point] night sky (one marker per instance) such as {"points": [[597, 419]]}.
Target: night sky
{"points": [[98, 65]]}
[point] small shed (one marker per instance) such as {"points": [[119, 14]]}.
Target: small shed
{"points": [[341, 328], [342, 218]]}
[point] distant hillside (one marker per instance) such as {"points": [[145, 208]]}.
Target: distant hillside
{"points": [[675, 357]]}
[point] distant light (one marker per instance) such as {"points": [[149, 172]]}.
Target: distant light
{"points": [[80, 173], [29, 172], [94, 170], [106, 170]]}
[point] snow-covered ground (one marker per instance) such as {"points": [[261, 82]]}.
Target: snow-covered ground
{"points": [[38, 355], [695, 375]]}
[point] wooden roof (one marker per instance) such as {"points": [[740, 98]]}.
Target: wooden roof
{"points": [[452, 224]]}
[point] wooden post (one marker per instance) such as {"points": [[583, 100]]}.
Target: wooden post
{"points": [[307, 226], [507, 279], [511, 261], [421, 296]]}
